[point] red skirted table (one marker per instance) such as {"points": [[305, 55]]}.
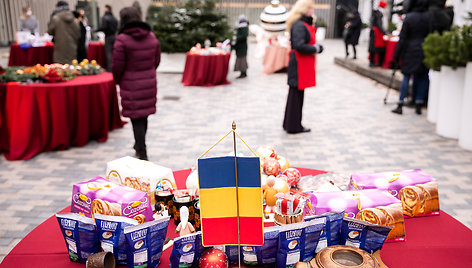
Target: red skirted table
{"points": [[31, 56], [206, 70], [96, 51], [44, 117], [275, 59], [436, 241], [389, 53]]}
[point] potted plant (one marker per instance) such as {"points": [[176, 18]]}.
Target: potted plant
{"points": [[433, 50], [465, 134], [320, 30]]}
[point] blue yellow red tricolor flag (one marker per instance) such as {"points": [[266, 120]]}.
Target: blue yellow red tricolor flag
{"points": [[218, 205]]}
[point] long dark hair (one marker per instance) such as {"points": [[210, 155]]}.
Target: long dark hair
{"points": [[129, 14]]}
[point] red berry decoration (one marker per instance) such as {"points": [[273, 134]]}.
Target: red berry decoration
{"points": [[293, 175], [213, 258]]}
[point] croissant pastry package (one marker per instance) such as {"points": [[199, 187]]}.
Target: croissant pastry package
{"points": [[101, 196], [141, 175], [417, 190]]}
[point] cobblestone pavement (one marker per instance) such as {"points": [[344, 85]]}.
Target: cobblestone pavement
{"points": [[352, 131]]}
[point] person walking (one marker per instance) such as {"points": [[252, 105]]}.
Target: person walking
{"points": [[136, 55], [353, 31], [28, 21], [301, 66], [416, 26], [66, 32], [109, 26], [242, 31]]}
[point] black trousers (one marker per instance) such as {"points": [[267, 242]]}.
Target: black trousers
{"points": [[293, 110], [139, 131], [353, 48]]}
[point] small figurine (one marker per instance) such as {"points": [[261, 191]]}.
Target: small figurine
{"points": [[269, 195], [184, 227]]}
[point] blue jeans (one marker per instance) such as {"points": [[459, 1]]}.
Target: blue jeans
{"points": [[420, 86]]}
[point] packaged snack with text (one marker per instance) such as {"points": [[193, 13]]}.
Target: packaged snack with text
{"points": [[364, 235], [187, 250], [145, 243], [313, 231], [291, 244], [266, 254], [79, 234], [231, 252], [331, 231], [110, 233]]}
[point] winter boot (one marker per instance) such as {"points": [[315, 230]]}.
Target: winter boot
{"points": [[418, 108], [399, 109]]}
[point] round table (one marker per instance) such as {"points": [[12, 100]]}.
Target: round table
{"points": [[96, 51], [31, 56], [206, 70], [389, 53], [275, 59], [436, 241], [42, 117]]}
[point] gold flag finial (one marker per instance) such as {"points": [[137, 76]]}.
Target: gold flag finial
{"points": [[234, 125]]}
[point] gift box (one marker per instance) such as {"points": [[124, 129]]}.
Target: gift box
{"points": [[101, 196], [141, 175], [374, 206], [417, 190]]}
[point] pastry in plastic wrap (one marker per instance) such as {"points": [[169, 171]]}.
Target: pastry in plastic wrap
{"points": [[372, 215], [394, 215], [326, 182], [413, 199], [431, 203], [141, 175]]}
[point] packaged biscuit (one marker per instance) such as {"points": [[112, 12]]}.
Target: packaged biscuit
{"points": [[80, 236], [266, 254], [110, 233], [331, 231], [231, 252], [145, 243], [141, 175], [101, 196], [313, 231], [187, 250], [291, 244], [364, 235]]}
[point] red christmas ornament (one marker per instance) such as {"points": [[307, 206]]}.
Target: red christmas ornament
{"points": [[213, 258], [271, 166], [293, 175]]}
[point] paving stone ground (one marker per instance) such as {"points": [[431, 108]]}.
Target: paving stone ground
{"points": [[352, 131]]}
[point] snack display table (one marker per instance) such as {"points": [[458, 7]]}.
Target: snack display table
{"points": [[30, 56], [206, 70], [42, 117], [436, 241], [275, 58], [389, 53], [96, 51]]}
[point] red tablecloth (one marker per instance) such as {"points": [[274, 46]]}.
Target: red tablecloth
{"points": [[44, 117], [275, 59], [437, 241], [30, 56], [210, 70], [96, 51], [389, 53]]}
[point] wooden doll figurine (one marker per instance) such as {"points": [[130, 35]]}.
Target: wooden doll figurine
{"points": [[184, 227]]}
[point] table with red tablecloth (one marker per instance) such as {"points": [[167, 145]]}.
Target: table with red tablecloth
{"points": [[436, 241], [42, 117], [389, 53], [206, 70], [31, 56], [96, 51], [275, 58]]}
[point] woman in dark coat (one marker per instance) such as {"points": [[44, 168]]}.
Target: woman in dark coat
{"points": [[416, 26], [353, 29], [242, 31], [301, 66], [136, 55]]}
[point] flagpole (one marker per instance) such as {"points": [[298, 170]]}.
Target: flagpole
{"points": [[237, 191]]}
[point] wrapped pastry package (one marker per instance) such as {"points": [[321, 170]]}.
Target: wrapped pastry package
{"points": [[141, 175], [80, 236], [417, 190], [110, 233], [374, 206], [100, 196]]}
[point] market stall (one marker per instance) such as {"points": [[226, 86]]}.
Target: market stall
{"points": [[206, 67], [390, 44], [276, 58], [27, 55]]}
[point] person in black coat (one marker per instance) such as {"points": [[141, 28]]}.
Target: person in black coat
{"points": [[302, 61], [353, 31], [81, 49], [109, 27], [416, 26]]}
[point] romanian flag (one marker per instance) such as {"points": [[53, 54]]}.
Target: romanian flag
{"points": [[218, 205]]}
